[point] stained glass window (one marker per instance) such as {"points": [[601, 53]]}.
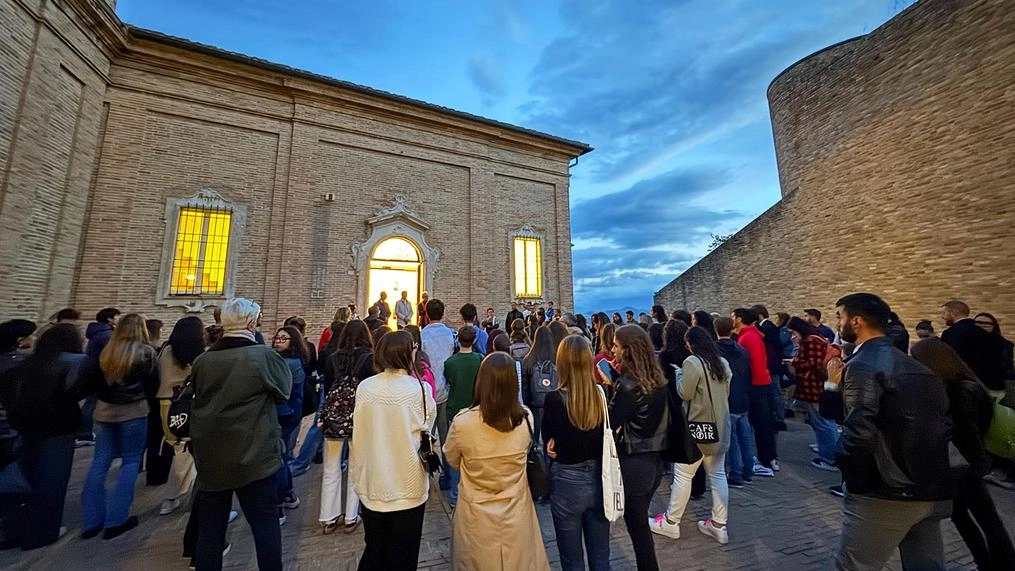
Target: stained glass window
{"points": [[201, 251]]}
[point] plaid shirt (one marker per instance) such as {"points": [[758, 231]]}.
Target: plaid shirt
{"points": [[809, 367]]}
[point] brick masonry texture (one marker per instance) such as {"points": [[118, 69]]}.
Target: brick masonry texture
{"points": [[895, 155], [101, 124]]}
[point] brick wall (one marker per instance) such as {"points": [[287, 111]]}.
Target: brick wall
{"points": [[895, 160]]}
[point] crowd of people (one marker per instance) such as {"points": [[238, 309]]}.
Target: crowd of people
{"points": [[698, 397]]}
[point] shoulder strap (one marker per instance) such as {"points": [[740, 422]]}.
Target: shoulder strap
{"points": [[422, 394], [708, 386], [606, 410], [532, 435]]}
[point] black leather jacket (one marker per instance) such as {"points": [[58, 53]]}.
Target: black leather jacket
{"points": [[142, 382], [640, 418], [897, 433]]}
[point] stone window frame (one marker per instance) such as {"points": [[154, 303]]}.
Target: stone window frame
{"points": [[207, 199], [528, 231]]}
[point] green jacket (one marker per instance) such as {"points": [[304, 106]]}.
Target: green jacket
{"points": [[235, 436]]}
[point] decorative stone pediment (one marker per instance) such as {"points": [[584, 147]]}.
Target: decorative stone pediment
{"points": [[401, 220]]}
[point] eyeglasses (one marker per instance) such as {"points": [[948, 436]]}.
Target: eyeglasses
{"points": [[282, 339]]}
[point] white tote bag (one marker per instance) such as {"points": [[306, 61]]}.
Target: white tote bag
{"points": [[613, 482]]}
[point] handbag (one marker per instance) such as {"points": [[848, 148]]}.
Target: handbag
{"points": [[535, 466], [1000, 437], [179, 414], [613, 480], [705, 432], [428, 445]]}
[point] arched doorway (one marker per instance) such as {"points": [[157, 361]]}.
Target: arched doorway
{"points": [[395, 266]]}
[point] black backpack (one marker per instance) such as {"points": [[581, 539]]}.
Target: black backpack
{"points": [[178, 418], [542, 381]]}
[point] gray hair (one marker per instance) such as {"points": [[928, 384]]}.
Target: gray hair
{"points": [[569, 319], [237, 313]]}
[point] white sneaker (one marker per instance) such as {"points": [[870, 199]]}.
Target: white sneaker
{"points": [[169, 506], [282, 518], [720, 534], [775, 465], [760, 470], [659, 525]]}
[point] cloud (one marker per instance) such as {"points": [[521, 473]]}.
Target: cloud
{"points": [[644, 85], [631, 242], [483, 73]]}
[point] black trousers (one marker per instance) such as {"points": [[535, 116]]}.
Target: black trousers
{"points": [[257, 500], [762, 420], [392, 539], [46, 462], [975, 516], [158, 455], [641, 473]]}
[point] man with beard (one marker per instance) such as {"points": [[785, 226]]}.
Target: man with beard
{"points": [[894, 448], [979, 349]]}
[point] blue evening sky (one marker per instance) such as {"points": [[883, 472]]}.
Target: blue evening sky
{"points": [[671, 93]]}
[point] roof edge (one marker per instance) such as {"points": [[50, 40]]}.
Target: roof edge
{"points": [[795, 64], [577, 147]]}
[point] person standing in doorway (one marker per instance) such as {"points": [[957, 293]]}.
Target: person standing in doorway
{"points": [[383, 309], [403, 311], [422, 317]]}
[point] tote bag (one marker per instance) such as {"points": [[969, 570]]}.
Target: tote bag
{"points": [[1000, 437], [613, 482]]}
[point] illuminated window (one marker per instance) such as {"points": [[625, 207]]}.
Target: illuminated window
{"points": [[202, 249], [528, 264], [199, 250]]}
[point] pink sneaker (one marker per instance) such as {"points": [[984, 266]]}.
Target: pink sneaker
{"points": [[719, 534], [660, 526]]}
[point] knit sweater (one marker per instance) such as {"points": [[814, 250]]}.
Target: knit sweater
{"points": [[384, 463]]}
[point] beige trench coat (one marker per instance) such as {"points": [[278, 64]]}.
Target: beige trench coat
{"points": [[495, 526]]}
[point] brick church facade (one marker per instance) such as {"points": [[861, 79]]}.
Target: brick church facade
{"points": [[157, 175], [896, 155]]}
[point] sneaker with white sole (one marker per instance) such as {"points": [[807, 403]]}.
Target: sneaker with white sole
{"points": [[290, 502], [720, 534], [775, 465], [661, 526], [282, 518], [760, 470], [169, 506], [814, 448], [837, 491], [820, 464]]}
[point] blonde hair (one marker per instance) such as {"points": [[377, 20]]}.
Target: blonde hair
{"points": [[125, 348], [582, 400]]}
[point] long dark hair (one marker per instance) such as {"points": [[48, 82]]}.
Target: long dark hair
{"points": [[60, 338], [297, 347], [704, 320], [355, 335], [543, 349], [997, 326], [600, 319], [637, 359], [673, 339], [558, 331], [802, 327], [187, 340], [703, 347]]}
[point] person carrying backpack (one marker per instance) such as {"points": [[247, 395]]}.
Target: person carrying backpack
{"points": [[351, 363], [539, 371]]}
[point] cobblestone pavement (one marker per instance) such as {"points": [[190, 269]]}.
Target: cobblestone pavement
{"points": [[788, 522]]}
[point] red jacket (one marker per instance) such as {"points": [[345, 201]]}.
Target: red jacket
{"points": [[753, 342]]}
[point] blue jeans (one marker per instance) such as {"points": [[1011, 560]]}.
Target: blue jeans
{"points": [[284, 477], [741, 454], [313, 442], [125, 440], [576, 503], [826, 432]]}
